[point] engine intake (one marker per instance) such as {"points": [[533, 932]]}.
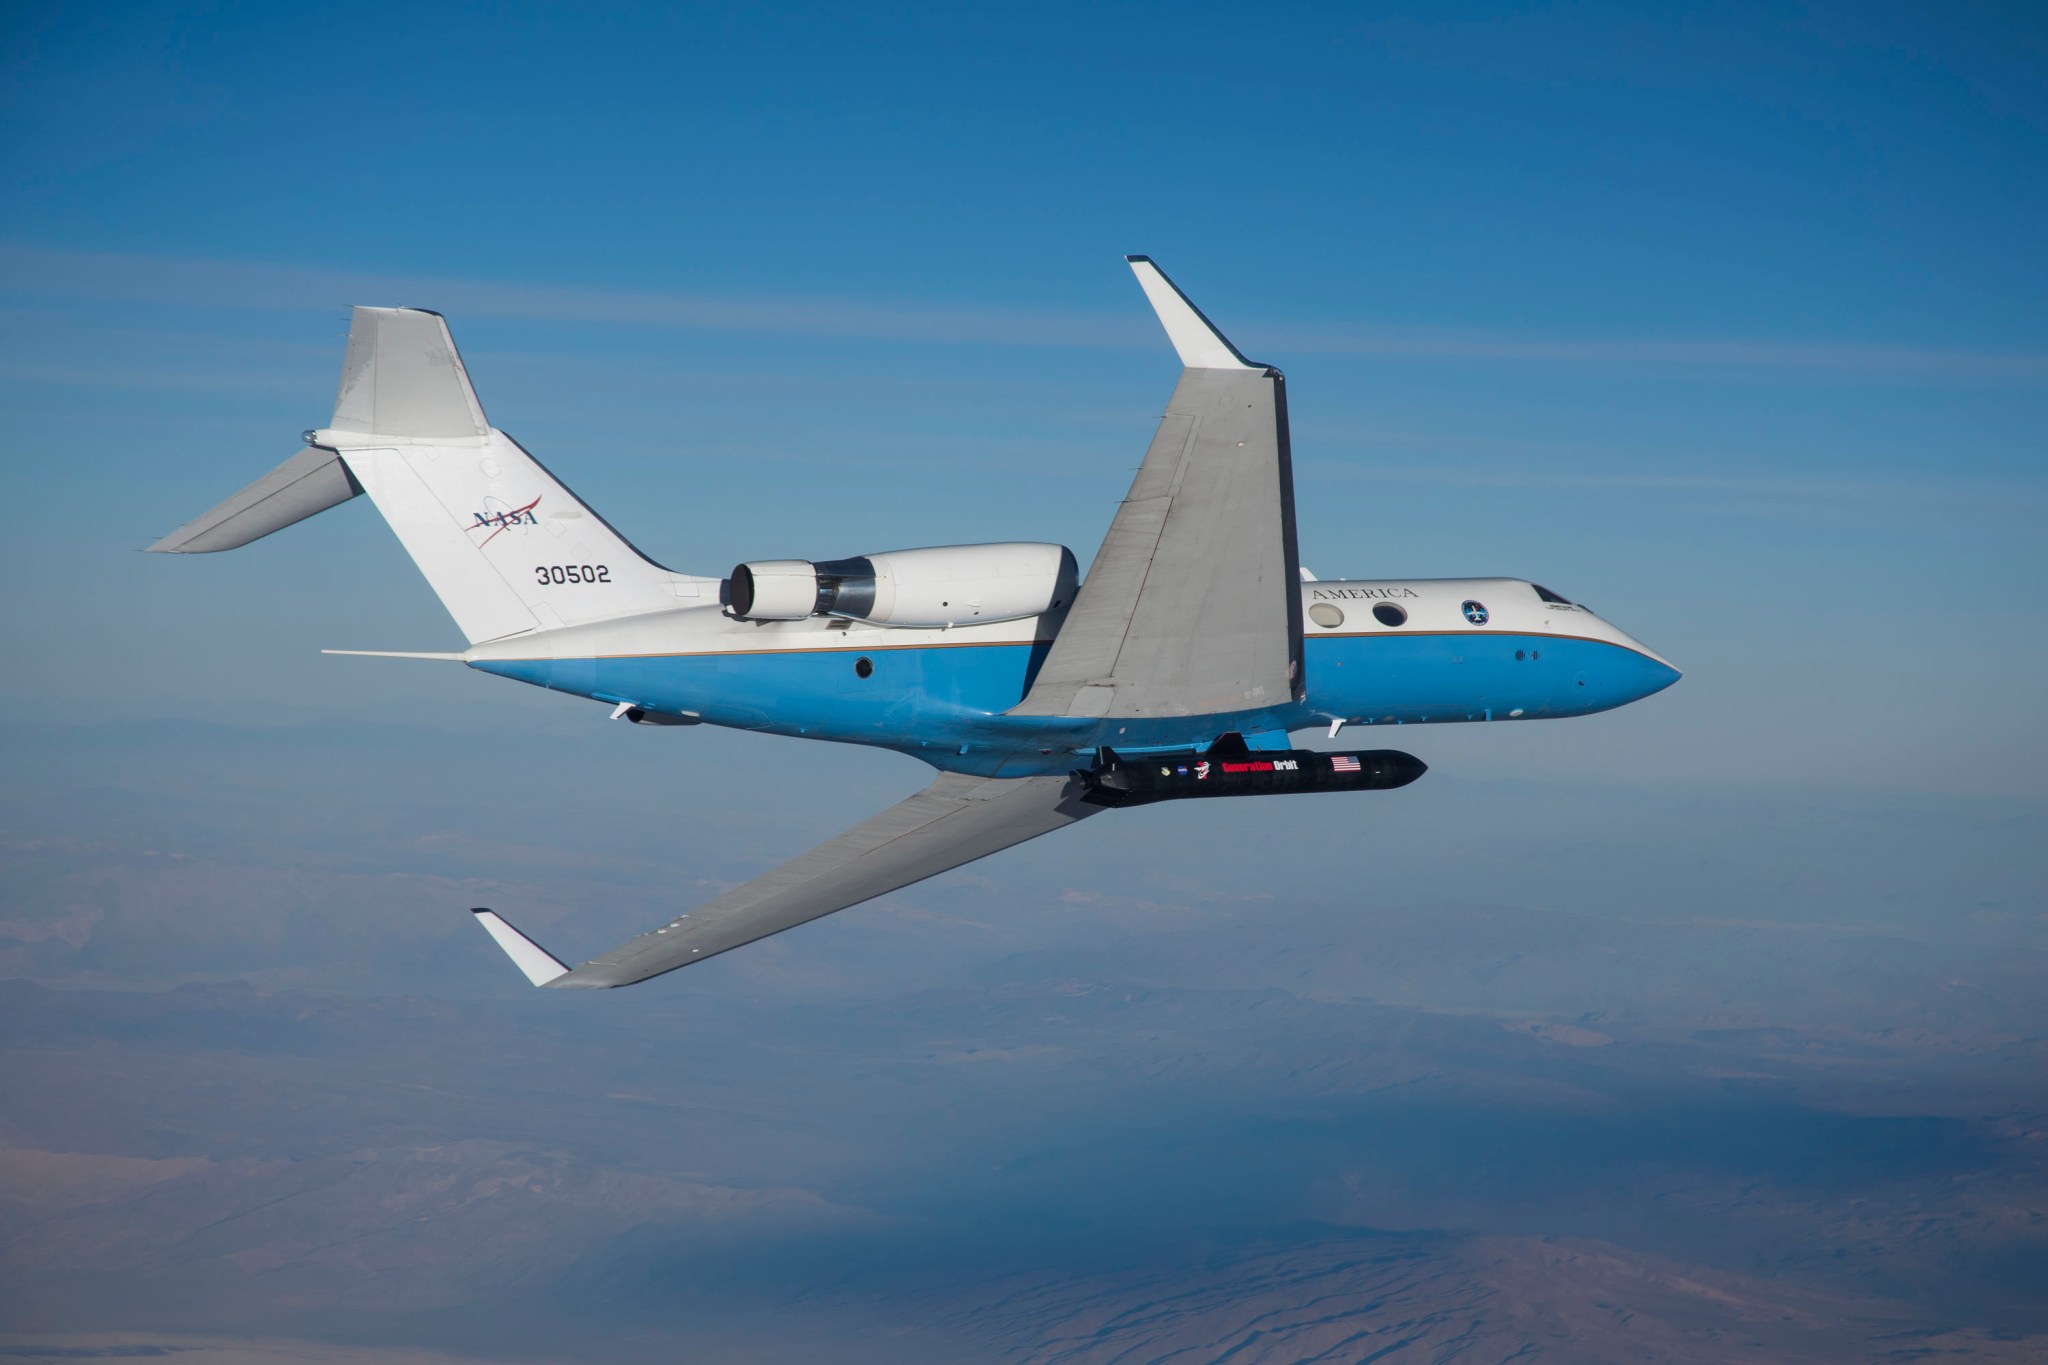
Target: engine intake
{"points": [[933, 588]]}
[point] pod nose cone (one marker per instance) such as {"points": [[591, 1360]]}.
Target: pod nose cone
{"points": [[1399, 769]]}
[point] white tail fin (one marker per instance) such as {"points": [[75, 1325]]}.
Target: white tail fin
{"points": [[504, 544]]}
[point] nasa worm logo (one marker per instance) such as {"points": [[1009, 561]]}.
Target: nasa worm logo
{"points": [[496, 516]]}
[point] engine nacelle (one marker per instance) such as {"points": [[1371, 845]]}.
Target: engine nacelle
{"points": [[773, 590], [945, 585]]}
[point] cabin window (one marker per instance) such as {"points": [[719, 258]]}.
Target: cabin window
{"points": [[1326, 615], [1549, 596], [863, 667], [1387, 614]]}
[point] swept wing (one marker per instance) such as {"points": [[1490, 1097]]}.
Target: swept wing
{"points": [[1192, 605], [954, 821]]}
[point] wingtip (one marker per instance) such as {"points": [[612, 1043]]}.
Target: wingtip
{"points": [[1197, 340], [539, 965]]}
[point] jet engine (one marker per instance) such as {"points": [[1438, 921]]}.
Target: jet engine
{"points": [[945, 585]]}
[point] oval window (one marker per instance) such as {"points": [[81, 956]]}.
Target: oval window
{"points": [[1387, 614], [863, 666], [1326, 616]]}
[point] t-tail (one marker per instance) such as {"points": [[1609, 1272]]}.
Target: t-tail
{"points": [[508, 549]]}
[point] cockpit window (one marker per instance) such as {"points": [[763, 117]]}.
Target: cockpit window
{"points": [[1549, 596]]}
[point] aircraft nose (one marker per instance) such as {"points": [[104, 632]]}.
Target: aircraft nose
{"points": [[1649, 677], [1646, 672]]}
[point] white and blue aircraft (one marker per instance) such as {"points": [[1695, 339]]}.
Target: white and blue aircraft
{"points": [[1177, 668]]}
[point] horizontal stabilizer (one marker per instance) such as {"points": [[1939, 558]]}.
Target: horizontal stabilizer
{"points": [[1201, 346], [311, 481], [395, 654], [539, 965]]}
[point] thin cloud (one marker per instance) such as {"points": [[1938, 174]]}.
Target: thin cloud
{"points": [[1775, 355], [236, 284], [188, 282], [1805, 491]]}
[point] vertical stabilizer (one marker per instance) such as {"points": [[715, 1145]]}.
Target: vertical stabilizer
{"points": [[507, 548], [504, 544]]}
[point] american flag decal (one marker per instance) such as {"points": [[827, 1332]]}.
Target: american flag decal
{"points": [[1343, 763]]}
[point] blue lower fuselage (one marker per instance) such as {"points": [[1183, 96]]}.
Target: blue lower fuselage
{"points": [[945, 703]]}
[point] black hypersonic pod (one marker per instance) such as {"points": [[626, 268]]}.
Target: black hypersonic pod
{"points": [[1228, 768]]}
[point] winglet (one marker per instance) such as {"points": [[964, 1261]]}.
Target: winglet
{"points": [[538, 963], [1201, 346]]}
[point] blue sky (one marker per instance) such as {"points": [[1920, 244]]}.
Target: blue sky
{"points": [[1729, 321]]}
